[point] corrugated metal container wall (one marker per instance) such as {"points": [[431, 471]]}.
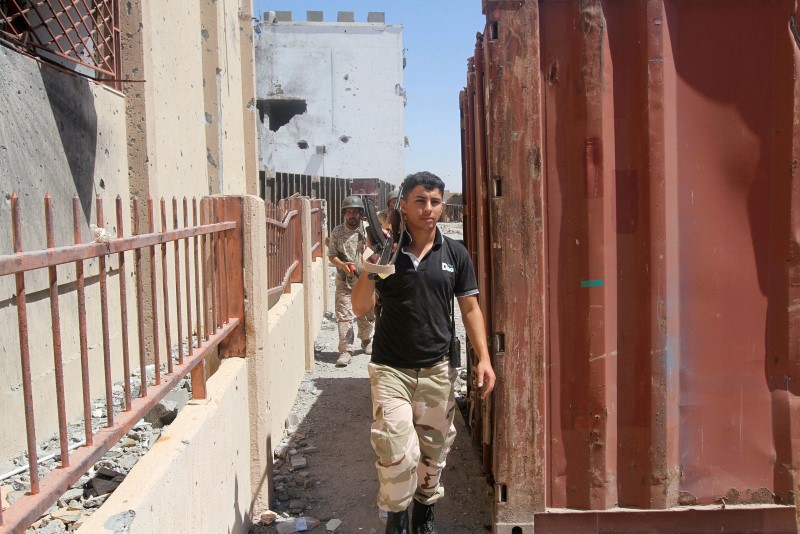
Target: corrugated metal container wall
{"points": [[644, 303]]}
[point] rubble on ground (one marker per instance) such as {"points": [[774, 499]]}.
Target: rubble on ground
{"points": [[92, 489]]}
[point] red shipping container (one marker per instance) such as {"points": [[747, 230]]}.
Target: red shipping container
{"points": [[632, 215]]}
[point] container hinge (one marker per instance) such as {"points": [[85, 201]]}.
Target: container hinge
{"points": [[499, 343], [501, 491]]}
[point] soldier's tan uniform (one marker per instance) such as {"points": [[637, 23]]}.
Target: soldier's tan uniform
{"points": [[349, 245], [425, 396]]}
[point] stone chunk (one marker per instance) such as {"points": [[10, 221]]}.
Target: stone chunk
{"points": [[162, 413], [67, 515], [298, 462], [332, 525], [268, 517], [70, 495], [105, 481]]}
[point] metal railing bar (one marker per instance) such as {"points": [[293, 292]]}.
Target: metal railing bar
{"points": [[154, 295], [123, 303], [197, 293], [285, 224], [24, 349], [225, 275], [101, 221], [41, 259], [81, 293], [165, 288], [286, 278], [29, 507], [139, 303], [204, 269], [212, 265], [178, 303], [58, 363], [190, 347]]}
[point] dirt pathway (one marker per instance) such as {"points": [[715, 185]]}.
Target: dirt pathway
{"points": [[333, 408]]}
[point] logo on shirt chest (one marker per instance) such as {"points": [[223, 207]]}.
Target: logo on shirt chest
{"points": [[448, 267]]}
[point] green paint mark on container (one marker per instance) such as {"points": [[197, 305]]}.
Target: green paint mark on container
{"points": [[591, 283]]}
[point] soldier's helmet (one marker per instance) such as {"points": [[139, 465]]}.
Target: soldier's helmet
{"points": [[393, 195], [353, 201]]}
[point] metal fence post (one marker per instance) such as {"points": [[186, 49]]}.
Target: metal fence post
{"points": [[307, 242], [231, 209]]}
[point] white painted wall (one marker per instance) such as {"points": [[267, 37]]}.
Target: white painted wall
{"points": [[351, 77]]}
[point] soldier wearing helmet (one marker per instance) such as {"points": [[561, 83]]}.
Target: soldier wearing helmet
{"points": [[347, 244], [391, 204]]}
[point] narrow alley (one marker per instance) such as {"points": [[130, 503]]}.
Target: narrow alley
{"points": [[334, 478]]}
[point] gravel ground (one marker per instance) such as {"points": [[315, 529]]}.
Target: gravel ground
{"points": [[327, 474]]}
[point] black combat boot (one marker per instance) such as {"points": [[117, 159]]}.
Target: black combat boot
{"points": [[422, 519], [397, 522]]}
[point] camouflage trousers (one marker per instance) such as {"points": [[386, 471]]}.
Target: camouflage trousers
{"points": [[412, 432], [345, 317]]}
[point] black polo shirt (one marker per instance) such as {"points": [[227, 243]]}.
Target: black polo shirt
{"points": [[414, 327]]}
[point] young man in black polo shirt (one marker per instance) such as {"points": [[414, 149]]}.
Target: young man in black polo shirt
{"points": [[412, 384]]}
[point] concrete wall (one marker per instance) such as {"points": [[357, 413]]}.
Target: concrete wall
{"points": [[287, 344], [318, 286], [229, 89], [64, 135], [286, 356], [196, 478], [350, 77]]}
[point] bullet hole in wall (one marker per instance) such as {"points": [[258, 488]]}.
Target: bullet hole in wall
{"points": [[303, 144], [344, 138]]}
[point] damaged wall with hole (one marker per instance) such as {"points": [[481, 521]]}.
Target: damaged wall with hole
{"points": [[330, 98]]}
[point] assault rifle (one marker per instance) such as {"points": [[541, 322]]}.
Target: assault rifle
{"points": [[384, 247]]}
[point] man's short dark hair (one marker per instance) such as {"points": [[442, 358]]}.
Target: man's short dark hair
{"points": [[426, 179]]}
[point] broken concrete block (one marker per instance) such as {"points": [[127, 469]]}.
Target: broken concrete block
{"points": [[298, 462], [70, 495], [162, 413], [333, 524], [105, 481], [268, 517], [286, 527]]}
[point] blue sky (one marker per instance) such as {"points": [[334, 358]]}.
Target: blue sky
{"points": [[439, 36]]}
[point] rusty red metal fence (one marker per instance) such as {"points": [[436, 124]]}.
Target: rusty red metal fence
{"points": [[210, 279], [78, 32], [284, 251], [632, 212], [317, 222]]}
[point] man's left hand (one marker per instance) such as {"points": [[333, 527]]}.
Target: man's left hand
{"points": [[485, 376]]}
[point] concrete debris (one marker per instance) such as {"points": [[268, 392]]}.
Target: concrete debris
{"points": [[332, 525], [301, 524], [94, 488], [104, 481], [281, 451], [292, 420], [298, 462], [70, 495], [163, 413], [67, 515], [268, 517]]}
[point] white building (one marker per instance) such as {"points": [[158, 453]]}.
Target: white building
{"points": [[330, 96]]}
